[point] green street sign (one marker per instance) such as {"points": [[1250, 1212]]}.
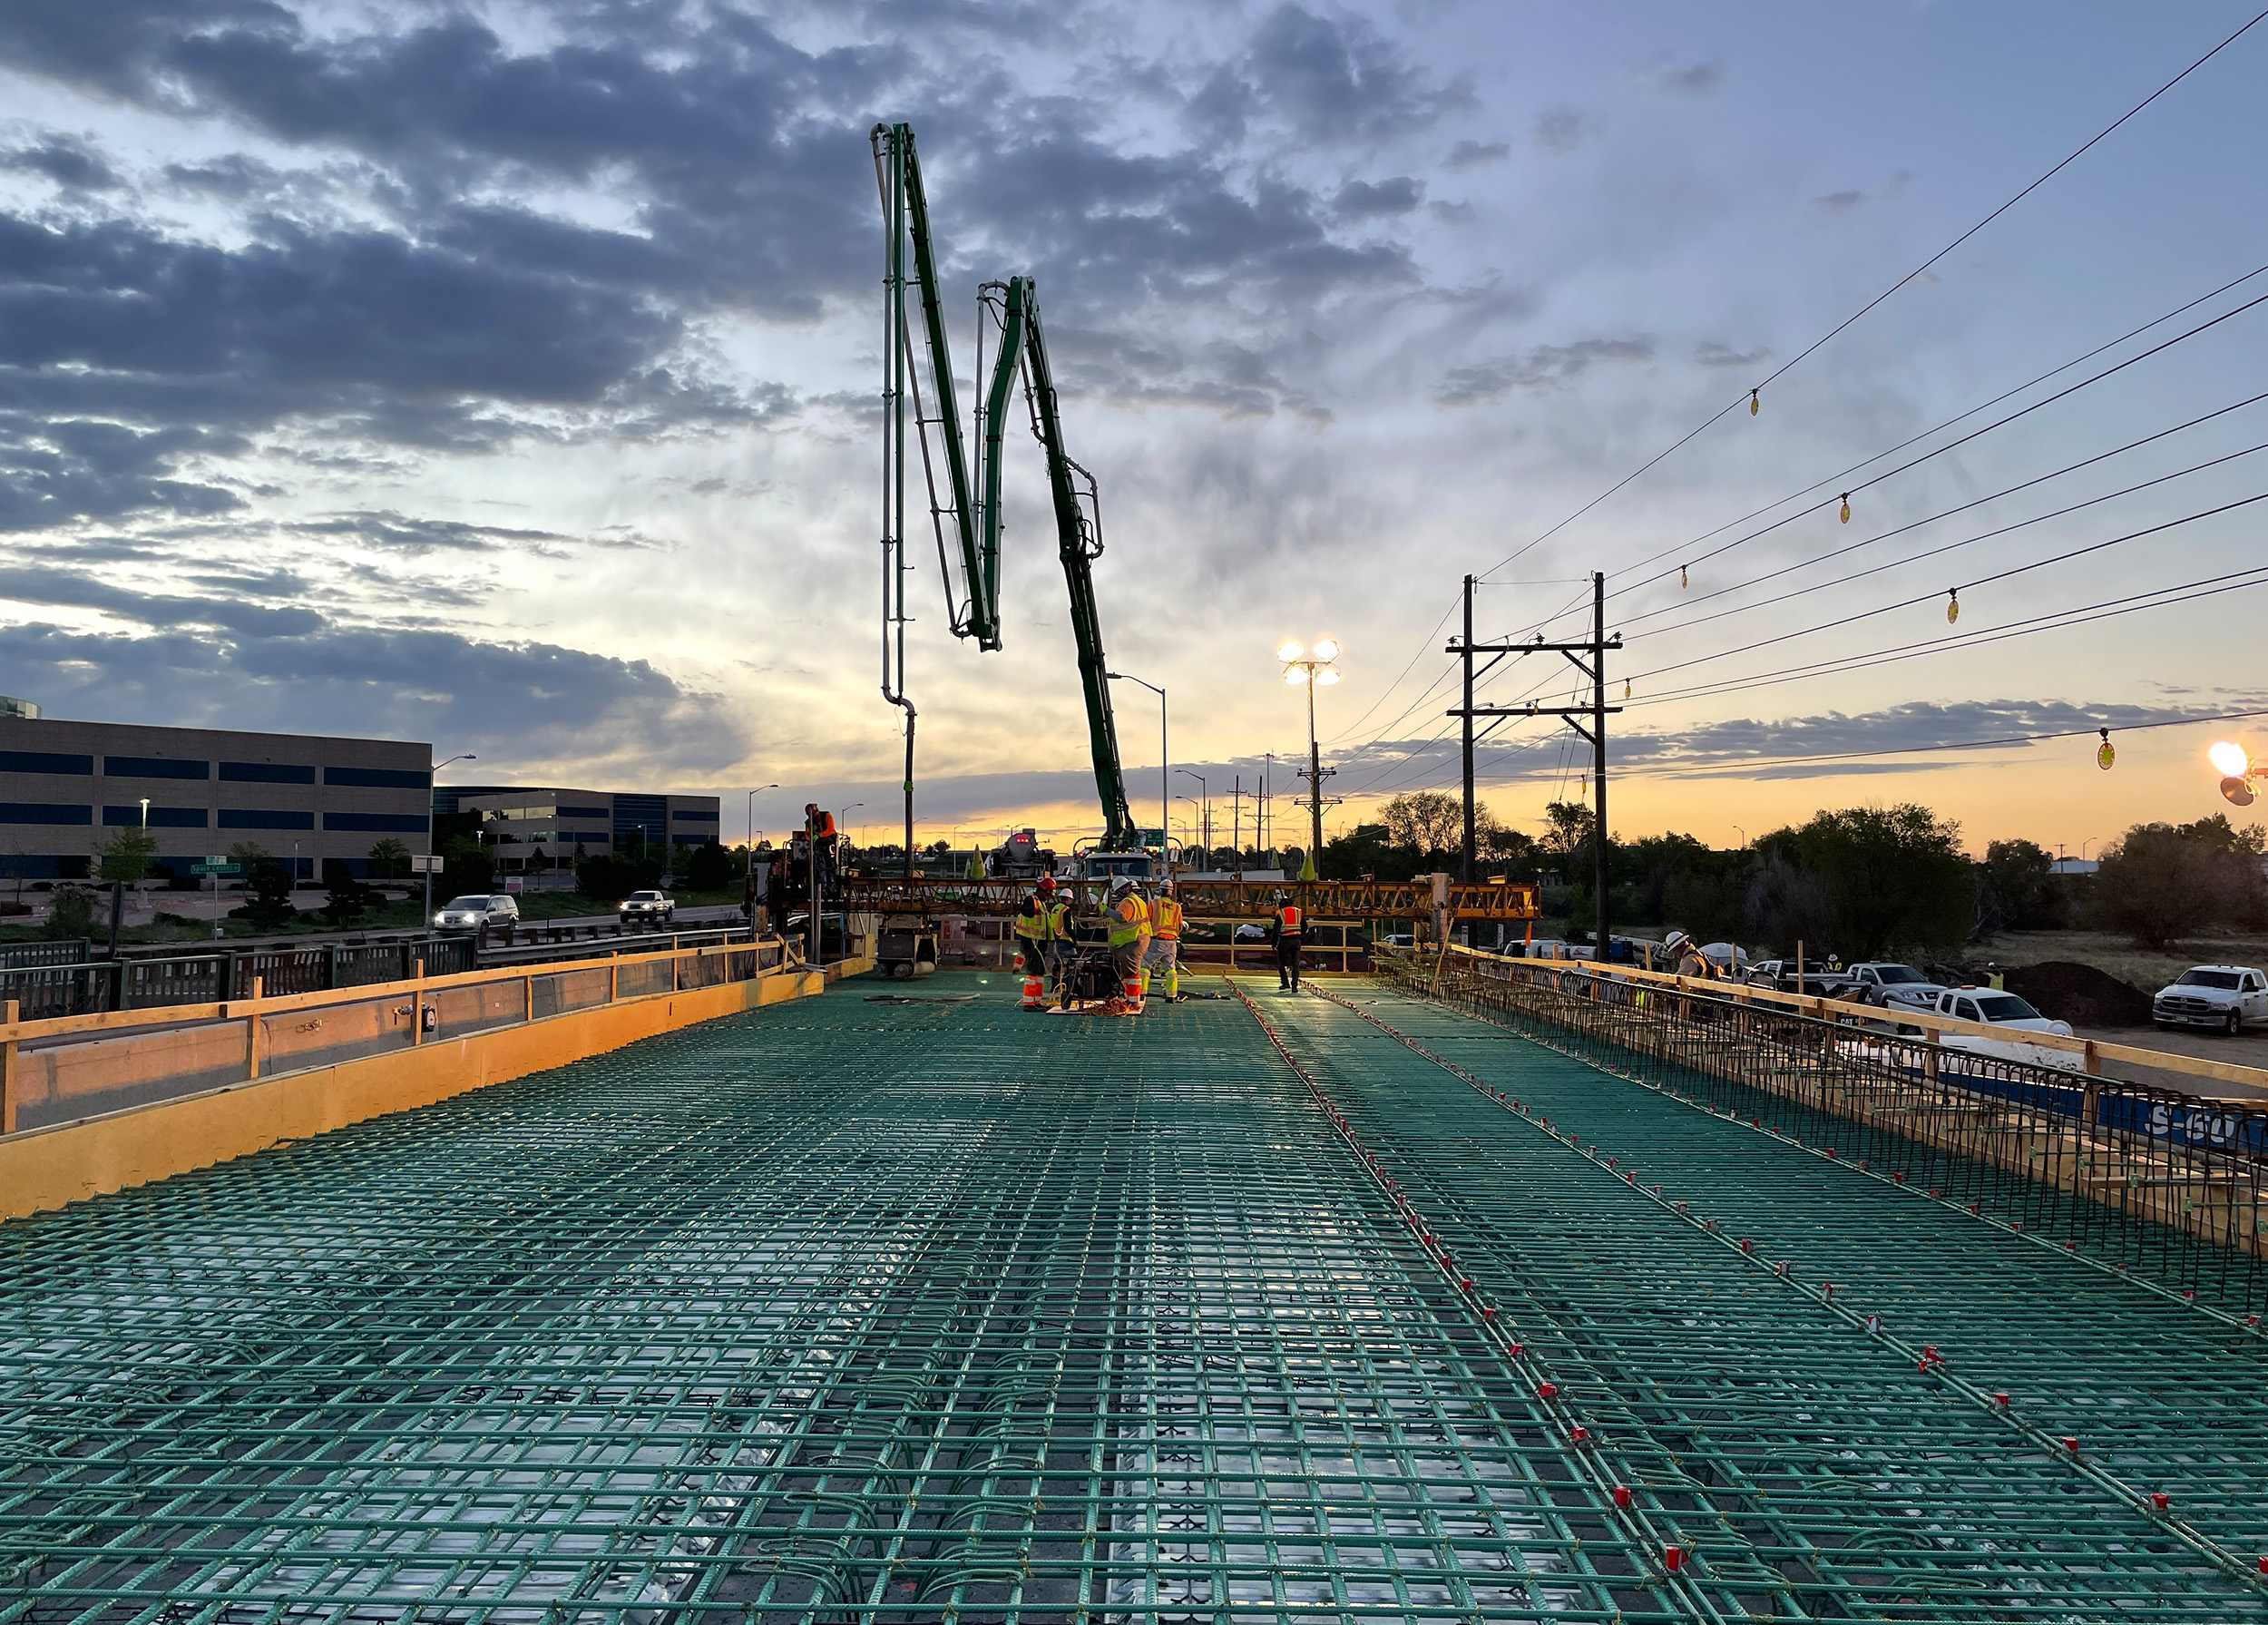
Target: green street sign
{"points": [[216, 868], [1149, 837]]}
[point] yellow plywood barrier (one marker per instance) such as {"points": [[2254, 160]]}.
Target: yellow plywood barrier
{"points": [[44, 1169]]}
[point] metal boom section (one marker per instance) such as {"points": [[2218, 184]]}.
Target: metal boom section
{"points": [[974, 609]]}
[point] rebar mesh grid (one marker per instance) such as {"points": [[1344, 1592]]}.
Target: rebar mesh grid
{"points": [[2168, 1185], [844, 1310], [1807, 1365]]}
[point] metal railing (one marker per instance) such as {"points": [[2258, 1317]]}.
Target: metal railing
{"points": [[62, 1070], [45, 991], [2155, 1180]]}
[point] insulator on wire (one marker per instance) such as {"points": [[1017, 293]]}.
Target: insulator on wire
{"points": [[2105, 753], [1953, 605], [1846, 507], [1755, 406], [1681, 577]]}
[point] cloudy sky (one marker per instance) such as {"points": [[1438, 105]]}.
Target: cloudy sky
{"points": [[505, 377]]}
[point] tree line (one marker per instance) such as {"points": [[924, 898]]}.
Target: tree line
{"points": [[1862, 882]]}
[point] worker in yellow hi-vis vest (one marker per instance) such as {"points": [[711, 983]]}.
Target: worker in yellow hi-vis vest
{"points": [[1129, 934], [1165, 938], [1061, 939]]}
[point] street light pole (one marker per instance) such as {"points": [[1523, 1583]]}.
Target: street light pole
{"points": [[1205, 818], [467, 757], [752, 796], [1312, 667], [1165, 757]]}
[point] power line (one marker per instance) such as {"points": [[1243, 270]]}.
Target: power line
{"points": [[1734, 769], [1846, 322], [1703, 659], [1844, 580], [1949, 445], [1836, 479], [2210, 586]]}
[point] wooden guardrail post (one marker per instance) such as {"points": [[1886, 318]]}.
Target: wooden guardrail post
{"points": [[8, 1069], [252, 1030]]}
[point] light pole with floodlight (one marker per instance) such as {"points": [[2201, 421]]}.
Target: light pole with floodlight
{"points": [[752, 796], [467, 757], [1312, 669]]}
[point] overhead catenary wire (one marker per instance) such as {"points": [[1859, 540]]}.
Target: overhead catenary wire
{"points": [[1811, 349]]}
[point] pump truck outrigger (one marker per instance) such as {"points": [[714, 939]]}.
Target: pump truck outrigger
{"points": [[971, 506]]}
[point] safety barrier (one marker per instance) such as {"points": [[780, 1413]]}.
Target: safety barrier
{"points": [[2157, 1180], [63, 1069], [52, 989]]}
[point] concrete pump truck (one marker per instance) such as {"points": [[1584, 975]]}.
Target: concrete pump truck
{"points": [[966, 509]]}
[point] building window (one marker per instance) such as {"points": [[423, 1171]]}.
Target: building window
{"points": [[692, 816], [267, 773], [584, 812], [253, 817], [379, 778], [394, 823], [46, 761], [154, 766], [160, 817], [45, 812]]}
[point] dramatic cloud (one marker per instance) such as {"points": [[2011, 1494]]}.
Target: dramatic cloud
{"points": [[70, 162], [529, 703], [1700, 79], [1360, 200], [1472, 154], [1545, 367], [1559, 130]]}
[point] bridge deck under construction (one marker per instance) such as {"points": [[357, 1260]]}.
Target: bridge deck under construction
{"points": [[932, 1310]]}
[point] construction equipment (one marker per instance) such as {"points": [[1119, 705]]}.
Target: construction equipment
{"points": [[970, 504]]}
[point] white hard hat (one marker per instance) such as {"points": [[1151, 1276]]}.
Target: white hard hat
{"points": [[1124, 882], [1676, 939]]}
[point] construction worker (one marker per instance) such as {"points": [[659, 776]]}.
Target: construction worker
{"points": [[1063, 936], [1289, 928], [1129, 936], [819, 828], [1032, 927], [1165, 938]]}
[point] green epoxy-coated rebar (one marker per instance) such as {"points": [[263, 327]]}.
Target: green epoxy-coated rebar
{"points": [[942, 1311]]}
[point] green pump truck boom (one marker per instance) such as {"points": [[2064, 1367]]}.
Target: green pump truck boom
{"points": [[971, 507]]}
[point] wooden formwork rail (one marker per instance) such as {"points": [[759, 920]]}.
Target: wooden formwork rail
{"points": [[1429, 897]]}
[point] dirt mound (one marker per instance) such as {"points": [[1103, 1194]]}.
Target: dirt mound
{"points": [[2080, 994]]}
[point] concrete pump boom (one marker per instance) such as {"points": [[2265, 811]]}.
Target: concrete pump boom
{"points": [[975, 522]]}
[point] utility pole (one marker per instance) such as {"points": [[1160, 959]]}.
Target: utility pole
{"points": [[1237, 821], [1471, 856], [1590, 658]]}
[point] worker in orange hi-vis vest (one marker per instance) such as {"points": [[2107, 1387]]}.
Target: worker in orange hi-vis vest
{"points": [[1128, 918], [1165, 939], [1289, 926]]}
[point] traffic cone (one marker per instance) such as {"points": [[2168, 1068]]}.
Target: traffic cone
{"points": [[1131, 988], [1032, 991]]}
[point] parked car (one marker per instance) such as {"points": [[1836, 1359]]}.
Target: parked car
{"points": [[2222, 996], [649, 908], [1730, 960], [472, 913], [1894, 987], [2003, 1010], [1818, 981]]}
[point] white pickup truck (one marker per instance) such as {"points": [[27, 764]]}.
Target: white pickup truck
{"points": [[2221, 996]]}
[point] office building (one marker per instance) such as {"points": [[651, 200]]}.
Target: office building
{"points": [[543, 830], [67, 788]]}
